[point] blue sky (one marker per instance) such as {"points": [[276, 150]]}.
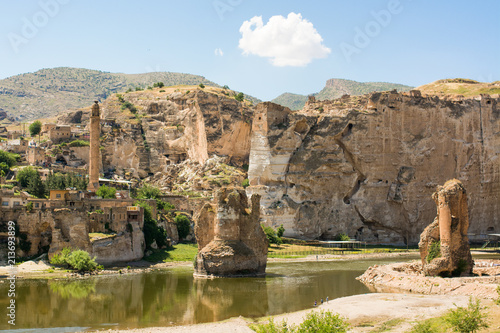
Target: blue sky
{"points": [[407, 41]]}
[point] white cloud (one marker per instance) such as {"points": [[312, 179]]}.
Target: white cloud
{"points": [[218, 52], [290, 41]]}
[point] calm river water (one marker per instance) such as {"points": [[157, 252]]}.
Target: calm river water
{"points": [[173, 297]]}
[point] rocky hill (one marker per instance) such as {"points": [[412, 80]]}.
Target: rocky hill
{"points": [[47, 92], [457, 87], [335, 88]]}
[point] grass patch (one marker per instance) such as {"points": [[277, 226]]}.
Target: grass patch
{"points": [[388, 325], [179, 252]]}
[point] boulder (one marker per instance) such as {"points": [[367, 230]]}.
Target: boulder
{"points": [[444, 245], [230, 239]]}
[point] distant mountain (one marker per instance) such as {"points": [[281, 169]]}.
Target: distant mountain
{"points": [[335, 88], [293, 101], [465, 87], [47, 92]]}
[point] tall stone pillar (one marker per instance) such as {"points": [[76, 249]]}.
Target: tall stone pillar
{"points": [[95, 158]]}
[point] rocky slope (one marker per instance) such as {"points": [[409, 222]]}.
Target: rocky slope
{"points": [[368, 165]]}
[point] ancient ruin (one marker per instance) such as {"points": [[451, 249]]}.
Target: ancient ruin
{"points": [[230, 239], [444, 245], [94, 160]]}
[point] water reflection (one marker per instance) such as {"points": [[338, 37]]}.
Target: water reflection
{"points": [[174, 297]]}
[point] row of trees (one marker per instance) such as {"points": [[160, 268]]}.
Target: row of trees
{"points": [[29, 179]]}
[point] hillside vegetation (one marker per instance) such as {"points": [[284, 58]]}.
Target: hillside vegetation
{"points": [[335, 88], [465, 87], [47, 92]]}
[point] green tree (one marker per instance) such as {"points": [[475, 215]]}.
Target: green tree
{"points": [[25, 174], [152, 231], [280, 231], [183, 225], [8, 158], [106, 192], [202, 86], [149, 192], [35, 128], [36, 187], [240, 97], [245, 183]]}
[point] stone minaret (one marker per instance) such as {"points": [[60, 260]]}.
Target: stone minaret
{"points": [[94, 161]]}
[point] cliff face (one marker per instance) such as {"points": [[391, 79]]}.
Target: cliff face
{"points": [[368, 166], [173, 126]]}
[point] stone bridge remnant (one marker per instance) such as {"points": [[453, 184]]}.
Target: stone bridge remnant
{"points": [[231, 241], [444, 245]]}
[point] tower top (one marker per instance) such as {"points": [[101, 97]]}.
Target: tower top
{"points": [[95, 109]]}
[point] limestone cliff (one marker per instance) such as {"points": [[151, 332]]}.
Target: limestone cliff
{"points": [[369, 165], [149, 132]]}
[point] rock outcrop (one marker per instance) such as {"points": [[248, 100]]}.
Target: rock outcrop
{"points": [[230, 239], [367, 165], [171, 127], [444, 245]]}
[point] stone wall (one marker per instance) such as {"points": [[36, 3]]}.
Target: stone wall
{"points": [[367, 166]]}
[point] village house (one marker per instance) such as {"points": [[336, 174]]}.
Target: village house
{"points": [[60, 133]]}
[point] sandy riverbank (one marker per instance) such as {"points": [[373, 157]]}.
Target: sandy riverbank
{"points": [[364, 312]]}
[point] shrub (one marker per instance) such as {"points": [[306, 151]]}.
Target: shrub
{"points": [[271, 235], [423, 327], [323, 322], [271, 327], [201, 85], [78, 259], [239, 97], [280, 231], [245, 183], [60, 259], [4, 168], [183, 225], [81, 261], [79, 143], [29, 206], [434, 251], [342, 237], [466, 320], [315, 322], [162, 90]]}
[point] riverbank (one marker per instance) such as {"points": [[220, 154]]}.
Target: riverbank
{"points": [[366, 313]]}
